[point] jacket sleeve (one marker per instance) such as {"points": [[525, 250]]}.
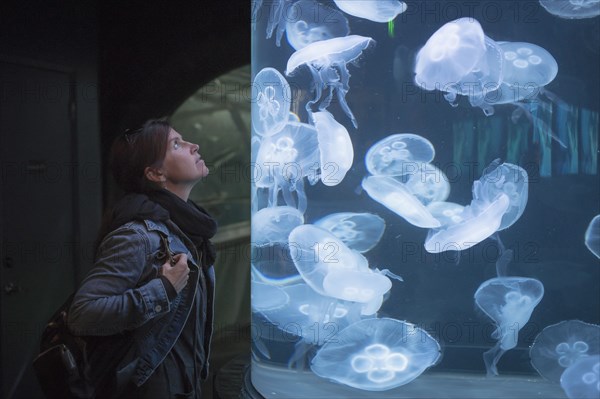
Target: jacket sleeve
{"points": [[109, 300]]}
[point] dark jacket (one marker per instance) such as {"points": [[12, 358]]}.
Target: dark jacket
{"points": [[124, 300]]}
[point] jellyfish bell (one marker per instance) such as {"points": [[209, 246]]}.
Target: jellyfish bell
{"points": [[399, 154], [273, 224], [582, 379], [509, 302], [267, 297], [376, 11], [474, 227], [314, 22], [572, 9], [394, 195], [506, 178], [327, 60], [560, 345], [450, 54], [335, 147], [376, 355], [359, 231], [527, 64], [447, 213], [356, 286], [428, 184], [272, 100], [592, 236]]}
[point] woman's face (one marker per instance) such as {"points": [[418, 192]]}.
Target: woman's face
{"points": [[183, 163]]}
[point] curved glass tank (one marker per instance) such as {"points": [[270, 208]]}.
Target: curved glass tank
{"points": [[425, 194]]}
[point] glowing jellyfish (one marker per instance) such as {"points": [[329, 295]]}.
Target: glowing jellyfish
{"points": [[316, 252], [527, 64], [376, 354], [399, 154], [271, 108], [505, 178], [561, 345], [326, 60], [396, 197], [509, 301], [267, 297], [475, 227], [273, 225], [314, 317], [277, 13], [284, 159], [592, 236], [335, 147], [428, 184], [447, 213], [582, 379], [364, 286], [359, 231], [459, 59], [572, 9], [313, 22], [377, 11]]}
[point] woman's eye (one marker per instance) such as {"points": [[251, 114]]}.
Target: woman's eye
{"points": [[176, 144]]}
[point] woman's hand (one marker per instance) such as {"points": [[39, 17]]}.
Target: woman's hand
{"points": [[178, 274]]}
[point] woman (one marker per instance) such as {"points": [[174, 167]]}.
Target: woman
{"points": [[146, 306]]}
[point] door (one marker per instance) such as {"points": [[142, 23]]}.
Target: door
{"points": [[37, 213]]}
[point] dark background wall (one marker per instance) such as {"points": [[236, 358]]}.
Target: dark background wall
{"points": [[73, 75]]}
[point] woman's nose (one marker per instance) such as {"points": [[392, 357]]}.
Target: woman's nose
{"points": [[195, 148]]}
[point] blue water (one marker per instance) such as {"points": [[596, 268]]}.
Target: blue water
{"points": [[553, 137]]}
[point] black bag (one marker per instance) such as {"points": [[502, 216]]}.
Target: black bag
{"points": [[61, 367]]}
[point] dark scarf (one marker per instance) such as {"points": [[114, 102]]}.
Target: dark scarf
{"points": [[163, 205]]}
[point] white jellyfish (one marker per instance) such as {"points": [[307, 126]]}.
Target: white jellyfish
{"points": [[447, 213], [273, 225], [509, 302], [377, 355], [267, 297], [284, 159], [399, 154], [359, 231], [327, 60], [377, 11], [394, 195], [561, 345], [335, 147], [592, 236], [313, 21], [428, 183], [582, 379], [271, 105], [572, 9]]}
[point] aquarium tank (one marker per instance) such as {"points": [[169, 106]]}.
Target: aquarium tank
{"points": [[425, 199]]}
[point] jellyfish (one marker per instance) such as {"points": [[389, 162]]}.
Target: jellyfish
{"points": [[326, 60], [508, 179], [314, 317], [366, 287], [335, 147], [284, 159], [572, 9], [447, 213], [582, 379], [399, 154], [376, 354], [509, 301], [359, 231], [476, 225], [377, 11], [428, 184], [561, 345], [276, 12], [267, 297], [271, 108], [315, 252], [592, 236], [459, 59], [314, 22], [527, 68], [273, 225], [394, 195]]}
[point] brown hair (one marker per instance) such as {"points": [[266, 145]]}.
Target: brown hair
{"points": [[133, 151]]}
